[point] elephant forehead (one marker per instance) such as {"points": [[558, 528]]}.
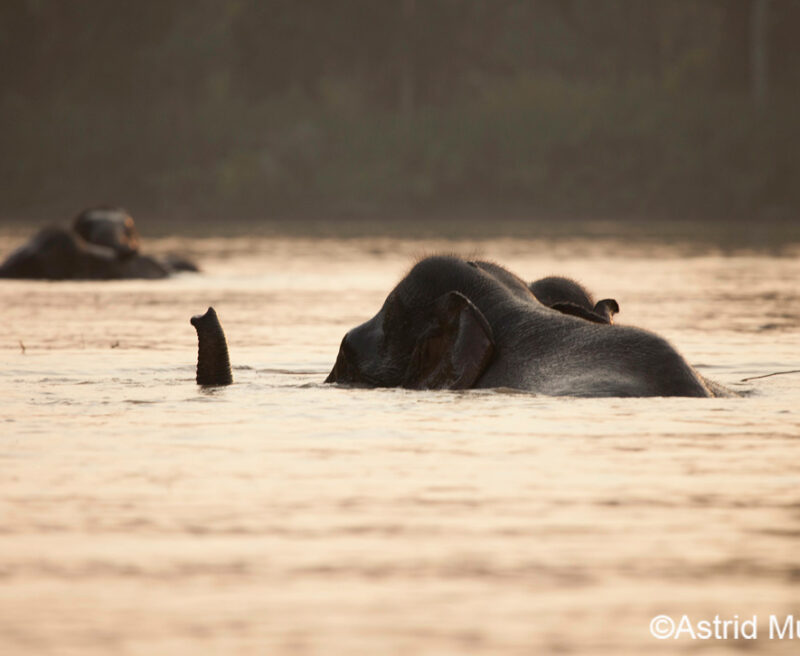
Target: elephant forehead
{"points": [[436, 275], [484, 283]]}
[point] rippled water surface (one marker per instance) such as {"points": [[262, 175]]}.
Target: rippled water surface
{"points": [[143, 515]]}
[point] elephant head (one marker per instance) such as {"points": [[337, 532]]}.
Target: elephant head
{"points": [[430, 332], [111, 227], [570, 297], [418, 343]]}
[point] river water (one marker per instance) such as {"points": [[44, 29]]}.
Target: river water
{"points": [[142, 515]]}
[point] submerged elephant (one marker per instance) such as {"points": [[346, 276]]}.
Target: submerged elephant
{"points": [[102, 244], [453, 324], [456, 324], [570, 297]]}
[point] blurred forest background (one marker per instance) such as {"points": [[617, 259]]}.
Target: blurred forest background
{"points": [[362, 108]]}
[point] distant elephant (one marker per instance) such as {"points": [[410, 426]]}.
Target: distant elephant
{"points": [[570, 297], [103, 244], [453, 324]]}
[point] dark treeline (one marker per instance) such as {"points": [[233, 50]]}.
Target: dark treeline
{"points": [[258, 108]]}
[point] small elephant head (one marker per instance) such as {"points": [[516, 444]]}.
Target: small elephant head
{"points": [[569, 297], [108, 226], [421, 338]]}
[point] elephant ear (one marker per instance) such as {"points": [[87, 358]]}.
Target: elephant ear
{"points": [[607, 308], [455, 348]]}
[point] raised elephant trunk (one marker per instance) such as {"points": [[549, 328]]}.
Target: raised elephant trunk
{"points": [[213, 365]]}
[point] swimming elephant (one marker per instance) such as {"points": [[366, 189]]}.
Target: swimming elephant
{"points": [[102, 244], [570, 297], [456, 324]]}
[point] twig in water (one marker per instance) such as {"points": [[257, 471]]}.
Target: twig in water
{"points": [[777, 373], [22, 346]]}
